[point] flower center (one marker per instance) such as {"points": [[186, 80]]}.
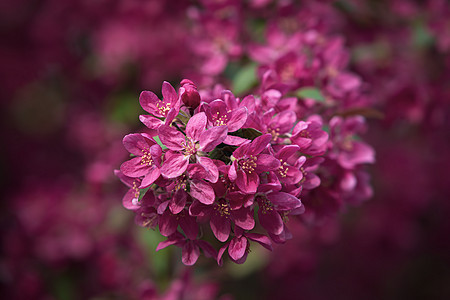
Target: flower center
{"points": [[180, 183], [282, 169], [305, 134], [274, 132], [265, 205], [248, 164], [219, 120], [163, 108], [190, 148], [223, 209], [146, 158], [135, 199]]}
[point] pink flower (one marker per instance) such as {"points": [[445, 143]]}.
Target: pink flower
{"points": [[310, 137], [197, 141], [248, 162], [147, 161], [167, 108], [190, 248], [221, 216], [239, 246]]}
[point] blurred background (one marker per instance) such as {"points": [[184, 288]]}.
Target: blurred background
{"points": [[71, 73]]}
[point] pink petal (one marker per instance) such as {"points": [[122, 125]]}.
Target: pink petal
{"points": [[284, 201], [235, 140], [190, 253], [237, 120], [212, 137], [150, 121], [167, 223], [128, 202], [261, 239], [247, 182], [169, 93], [189, 226], [171, 138], [259, 144], [266, 162], [134, 168], [243, 218], [148, 102], [220, 226], [220, 254], [202, 191], [287, 151], [208, 250], [271, 221], [151, 176], [174, 165], [237, 247], [135, 143], [172, 240], [196, 126], [210, 167], [178, 202]]}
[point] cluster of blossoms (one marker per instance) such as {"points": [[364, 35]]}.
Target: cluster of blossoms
{"points": [[238, 165]]}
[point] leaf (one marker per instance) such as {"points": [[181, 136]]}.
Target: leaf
{"points": [[158, 141], [310, 93], [247, 133], [244, 79]]}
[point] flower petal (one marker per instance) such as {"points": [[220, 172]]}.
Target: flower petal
{"points": [[150, 121], [263, 240], [134, 167], [266, 162], [202, 191], [190, 253], [243, 218], [212, 172], [259, 144], [212, 137], [151, 176], [171, 138], [237, 247], [169, 93], [148, 102], [178, 201], [174, 164], [167, 223], [284, 201], [238, 119], [135, 143], [196, 126], [247, 182], [220, 226], [189, 226], [271, 221]]}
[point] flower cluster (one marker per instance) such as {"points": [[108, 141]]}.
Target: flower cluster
{"points": [[235, 164]]}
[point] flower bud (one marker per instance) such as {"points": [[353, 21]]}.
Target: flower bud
{"points": [[189, 94]]}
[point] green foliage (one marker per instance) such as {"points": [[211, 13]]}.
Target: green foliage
{"points": [[310, 93], [244, 79]]}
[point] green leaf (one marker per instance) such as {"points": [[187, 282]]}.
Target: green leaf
{"points": [[244, 79], [310, 93], [247, 133], [158, 141]]}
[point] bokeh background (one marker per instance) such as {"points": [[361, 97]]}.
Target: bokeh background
{"points": [[71, 73]]}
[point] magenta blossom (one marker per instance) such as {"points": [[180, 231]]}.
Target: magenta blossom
{"points": [[310, 137], [182, 148], [190, 248], [222, 216], [147, 161], [248, 162], [167, 108], [239, 246]]}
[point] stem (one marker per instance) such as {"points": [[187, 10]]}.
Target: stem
{"points": [[178, 128]]}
